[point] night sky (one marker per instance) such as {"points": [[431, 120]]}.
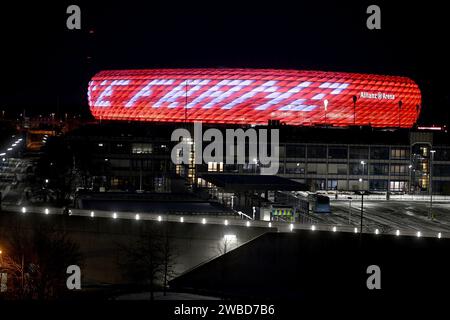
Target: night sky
{"points": [[46, 68]]}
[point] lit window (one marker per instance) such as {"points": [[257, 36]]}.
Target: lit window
{"points": [[140, 148], [215, 166]]}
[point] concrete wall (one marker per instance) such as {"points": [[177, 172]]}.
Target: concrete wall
{"points": [[100, 240]]}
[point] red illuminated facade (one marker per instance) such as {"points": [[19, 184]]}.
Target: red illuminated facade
{"points": [[254, 96]]}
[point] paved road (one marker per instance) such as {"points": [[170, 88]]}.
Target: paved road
{"points": [[12, 175], [391, 215]]}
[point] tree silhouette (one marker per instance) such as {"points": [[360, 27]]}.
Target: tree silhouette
{"points": [[36, 263], [150, 260]]}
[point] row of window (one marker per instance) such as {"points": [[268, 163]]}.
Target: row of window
{"points": [[374, 185], [134, 148], [137, 164], [344, 169], [291, 151], [343, 152]]}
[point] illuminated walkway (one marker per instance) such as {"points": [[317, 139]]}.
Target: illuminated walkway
{"points": [[230, 220]]}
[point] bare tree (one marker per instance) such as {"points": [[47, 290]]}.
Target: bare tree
{"points": [[169, 256], [142, 260], [150, 260], [225, 245], [36, 262]]}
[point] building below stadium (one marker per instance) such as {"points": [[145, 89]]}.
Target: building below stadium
{"points": [[138, 156]]}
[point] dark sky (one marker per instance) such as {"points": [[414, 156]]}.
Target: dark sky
{"points": [[44, 65]]}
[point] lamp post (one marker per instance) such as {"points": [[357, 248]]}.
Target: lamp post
{"points": [[354, 109], [349, 209], [399, 109], [362, 211], [361, 180], [410, 180], [431, 183], [363, 163]]}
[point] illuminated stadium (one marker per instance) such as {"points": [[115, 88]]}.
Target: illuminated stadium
{"points": [[255, 96]]}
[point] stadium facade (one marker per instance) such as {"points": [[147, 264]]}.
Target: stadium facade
{"points": [[251, 96]]}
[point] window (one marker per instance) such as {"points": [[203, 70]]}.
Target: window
{"points": [[379, 153], [332, 184], [398, 185], [399, 153], [295, 151], [337, 168], [140, 148], [317, 168], [138, 164], [379, 169], [441, 170], [317, 151], [357, 169], [399, 170], [215, 166], [120, 163], [298, 168], [359, 153], [424, 151], [337, 153], [119, 148], [318, 184], [159, 148], [442, 154], [377, 184]]}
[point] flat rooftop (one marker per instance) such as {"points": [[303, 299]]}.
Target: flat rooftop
{"points": [[232, 182]]}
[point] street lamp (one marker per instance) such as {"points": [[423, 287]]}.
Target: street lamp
{"points": [[349, 209], [410, 179], [362, 210], [255, 161], [431, 183], [325, 106], [363, 163], [362, 197]]}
